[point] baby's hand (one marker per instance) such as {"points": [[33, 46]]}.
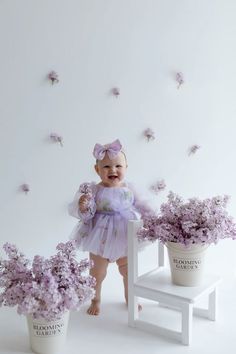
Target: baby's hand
{"points": [[83, 203]]}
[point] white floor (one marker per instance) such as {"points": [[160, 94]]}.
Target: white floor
{"points": [[109, 333]]}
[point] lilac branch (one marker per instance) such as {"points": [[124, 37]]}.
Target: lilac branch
{"points": [[158, 187], [180, 79], [25, 188], [149, 134], [56, 138], [193, 149], [192, 222], [53, 77], [115, 91], [45, 288]]}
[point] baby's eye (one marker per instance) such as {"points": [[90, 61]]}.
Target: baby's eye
{"points": [[106, 166], [117, 166]]}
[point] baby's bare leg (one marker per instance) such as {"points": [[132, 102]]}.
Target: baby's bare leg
{"points": [[123, 269], [99, 272]]}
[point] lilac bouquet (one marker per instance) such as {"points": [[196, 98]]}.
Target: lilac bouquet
{"points": [[49, 287], [193, 222]]}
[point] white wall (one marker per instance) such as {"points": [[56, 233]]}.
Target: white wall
{"points": [[137, 45]]}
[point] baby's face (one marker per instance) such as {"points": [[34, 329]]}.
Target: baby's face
{"points": [[112, 172]]}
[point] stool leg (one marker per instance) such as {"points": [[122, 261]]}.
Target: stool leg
{"points": [[187, 319], [132, 310], [132, 272], [212, 305]]}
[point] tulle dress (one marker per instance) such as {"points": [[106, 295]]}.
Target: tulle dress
{"points": [[102, 230]]}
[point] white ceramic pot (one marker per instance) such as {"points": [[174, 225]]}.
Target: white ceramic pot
{"points": [[47, 337], [186, 263]]}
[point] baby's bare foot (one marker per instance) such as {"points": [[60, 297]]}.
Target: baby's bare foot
{"points": [[94, 308]]}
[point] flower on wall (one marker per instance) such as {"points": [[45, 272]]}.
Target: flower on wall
{"points": [[25, 188], [149, 134], [56, 138], [180, 79], [115, 91], [193, 149], [158, 187], [53, 77]]}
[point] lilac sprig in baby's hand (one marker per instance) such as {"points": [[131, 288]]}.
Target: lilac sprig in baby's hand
{"points": [[84, 200], [85, 188]]}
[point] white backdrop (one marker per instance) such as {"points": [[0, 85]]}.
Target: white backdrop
{"points": [[138, 46]]}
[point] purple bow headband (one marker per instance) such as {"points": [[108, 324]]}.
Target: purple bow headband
{"points": [[112, 150]]}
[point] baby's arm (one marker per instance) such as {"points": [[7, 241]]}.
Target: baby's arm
{"points": [[84, 205], [141, 205], [146, 212]]}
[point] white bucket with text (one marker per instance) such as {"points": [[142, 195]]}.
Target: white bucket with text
{"points": [[186, 263], [47, 337]]}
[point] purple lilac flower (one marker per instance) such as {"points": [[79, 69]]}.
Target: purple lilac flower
{"points": [[53, 76], [193, 149], [180, 79], [50, 286], [193, 222], [149, 134], [25, 188], [115, 92], [86, 188], [158, 186], [56, 138]]}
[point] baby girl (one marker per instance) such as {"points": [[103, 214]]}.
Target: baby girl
{"points": [[104, 210]]}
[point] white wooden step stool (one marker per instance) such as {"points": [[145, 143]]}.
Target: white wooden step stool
{"points": [[156, 285]]}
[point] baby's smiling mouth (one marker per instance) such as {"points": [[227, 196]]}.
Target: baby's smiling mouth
{"points": [[112, 177]]}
